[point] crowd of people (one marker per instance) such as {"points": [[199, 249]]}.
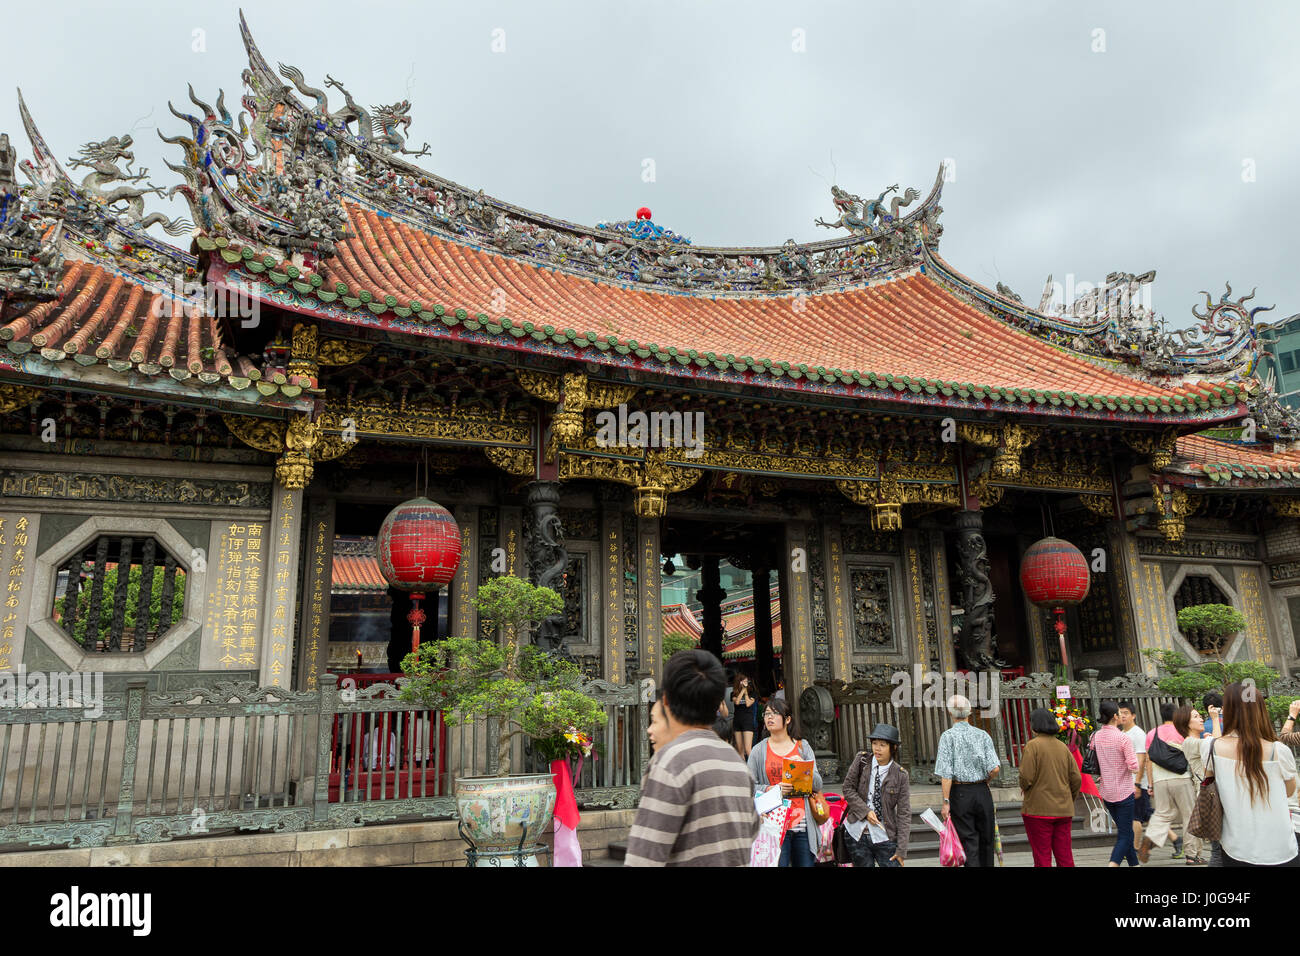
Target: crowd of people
{"points": [[701, 794]]}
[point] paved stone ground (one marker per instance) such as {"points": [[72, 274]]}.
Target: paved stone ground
{"points": [[1088, 856]]}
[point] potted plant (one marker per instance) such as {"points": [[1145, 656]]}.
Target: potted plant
{"points": [[1209, 627], [524, 691]]}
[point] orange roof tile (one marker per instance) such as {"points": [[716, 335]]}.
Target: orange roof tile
{"points": [[105, 317], [1224, 461], [909, 335], [354, 574]]}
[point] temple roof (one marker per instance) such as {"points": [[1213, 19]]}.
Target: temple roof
{"points": [[909, 338], [104, 316], [1219, 462]]}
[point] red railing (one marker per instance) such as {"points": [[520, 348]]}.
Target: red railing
{"points": [[386, 755]]}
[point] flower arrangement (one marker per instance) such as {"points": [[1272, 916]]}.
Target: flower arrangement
{"points": [[1075, 726]]}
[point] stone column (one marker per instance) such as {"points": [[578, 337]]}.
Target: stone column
{"points": [[610, 568], [797, 636], [547, 557], [18, 536], [462, 617], [943, 601], [711, 594], [763, 627], [648, 598], [278, 626], [977, 651], [1135, 618], [314, 634], [837, 597]]}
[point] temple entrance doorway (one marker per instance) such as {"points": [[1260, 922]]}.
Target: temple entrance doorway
{"points": [[721, 589]]}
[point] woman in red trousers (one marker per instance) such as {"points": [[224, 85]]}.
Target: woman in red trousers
{"points": [[1050, 781]]}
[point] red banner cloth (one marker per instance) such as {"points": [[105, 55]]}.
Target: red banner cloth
{"points": [[566, 801], [1089, 785]]}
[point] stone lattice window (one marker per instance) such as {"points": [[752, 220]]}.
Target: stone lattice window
{"points": [[1199, 589], [130, 586]]}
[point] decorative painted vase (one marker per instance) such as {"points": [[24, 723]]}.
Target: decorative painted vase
{"points": [[497, 813]]}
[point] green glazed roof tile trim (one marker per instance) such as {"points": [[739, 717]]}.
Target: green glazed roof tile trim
{"points": [[1203, 395]]}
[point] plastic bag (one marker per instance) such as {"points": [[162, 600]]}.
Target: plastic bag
{"points": [[767, 845], [950, 848]]}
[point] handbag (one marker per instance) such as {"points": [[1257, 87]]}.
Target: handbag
{"points": [[1206, 820], [1167, 757], [821, 811], [1091, 766], [840, 845]]}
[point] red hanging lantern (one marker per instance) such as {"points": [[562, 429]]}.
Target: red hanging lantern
{"points": [[1054, 574], [418, 548]]}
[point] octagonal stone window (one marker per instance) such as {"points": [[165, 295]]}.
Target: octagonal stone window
{"points": [[131, 587], [1199, 589]]}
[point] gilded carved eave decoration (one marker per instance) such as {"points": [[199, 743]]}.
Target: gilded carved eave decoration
{"points": [[573, 394], [1008, 441], [343, 352], [299, 442], [1172, 505], [1285, 507], [16, 396], [1156, 447], [453, 424], [653, 477], [514, 461]]}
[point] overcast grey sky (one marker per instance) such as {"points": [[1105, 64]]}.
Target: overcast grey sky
{"points": [[1076, 151]]}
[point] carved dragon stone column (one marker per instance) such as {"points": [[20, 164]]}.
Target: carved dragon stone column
{"points": [[547, 556], [976, 651]]}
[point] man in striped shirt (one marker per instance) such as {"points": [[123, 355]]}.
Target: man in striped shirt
{"points": [[697, 802]]}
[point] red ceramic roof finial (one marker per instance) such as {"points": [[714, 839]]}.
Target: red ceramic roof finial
{"points": [[643, 212]]}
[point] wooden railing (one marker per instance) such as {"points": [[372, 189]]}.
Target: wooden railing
{"points": [[233, 756]]}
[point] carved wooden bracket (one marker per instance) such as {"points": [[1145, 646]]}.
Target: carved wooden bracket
{"points": [[1157, 447], [1173, 505]]}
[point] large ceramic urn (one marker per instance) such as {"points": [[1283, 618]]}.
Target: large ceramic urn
{"points": [[504, 818]]}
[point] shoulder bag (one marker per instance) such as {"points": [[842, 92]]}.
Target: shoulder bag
{"points": [[1090, 764], [1165, 756], [1206, 820]]}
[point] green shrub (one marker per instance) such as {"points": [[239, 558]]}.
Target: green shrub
{"points": [[107, 605], [528, 692]]}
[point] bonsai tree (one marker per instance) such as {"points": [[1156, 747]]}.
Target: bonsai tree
{"points": [[1191, 681], [1212, 623], [675, 642], [526, 691]]}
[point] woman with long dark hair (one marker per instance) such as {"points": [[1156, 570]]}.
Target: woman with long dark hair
{"points": [[1255, 775], [801, 840], [742, 695]]}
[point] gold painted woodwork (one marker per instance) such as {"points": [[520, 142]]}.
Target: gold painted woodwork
{"points": [[654, 478], [453, 423], [1173, 505], [541, 385], [264, 434], [1285, 507], [1101, 505], [304, 349], [16, 396], [342, 352], [1158, 448], [516, 461]]}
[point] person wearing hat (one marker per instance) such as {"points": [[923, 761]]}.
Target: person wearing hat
{"points": [[1050, 781], [879, 797]]}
